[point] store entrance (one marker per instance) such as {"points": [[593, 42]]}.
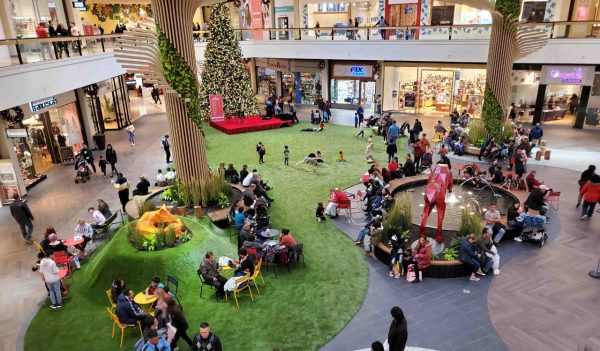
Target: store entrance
{"points": [[560, 104], [436, 92]]}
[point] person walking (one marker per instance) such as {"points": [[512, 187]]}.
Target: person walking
{"points": [[111, 158], [398, 333], [49, 270], [156, 95], [535, 134], [591, 196], [360, 114], [88, 156], [164, 143], [585, 176], [22, 214], [122, 187], [177, 319], [131, 134], [261, 151], [286, 155]]}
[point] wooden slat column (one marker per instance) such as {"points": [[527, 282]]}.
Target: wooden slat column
{"points": [[189, 151]]}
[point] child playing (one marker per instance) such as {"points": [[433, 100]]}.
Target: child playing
{"points": [[361, 130], [341, 157], [320, 213], [370, 139], [103, 164], [369, 151], [286, 155]]}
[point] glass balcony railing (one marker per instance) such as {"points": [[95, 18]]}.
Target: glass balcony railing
{"points": [[29, 50], [554, 30]]}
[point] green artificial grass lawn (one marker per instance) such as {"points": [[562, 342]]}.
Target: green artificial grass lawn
{"points": [[300, 310]]}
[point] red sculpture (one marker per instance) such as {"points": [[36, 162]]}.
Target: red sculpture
{"points": [[439, 181]]}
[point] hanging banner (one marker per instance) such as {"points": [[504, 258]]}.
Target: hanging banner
{"points": [[257, 20], [216, 108]]}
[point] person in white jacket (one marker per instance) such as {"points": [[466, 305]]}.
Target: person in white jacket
{"points": [[49, 270]]}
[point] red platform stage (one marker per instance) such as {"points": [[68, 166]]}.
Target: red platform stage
{"points": [[249, 124]]}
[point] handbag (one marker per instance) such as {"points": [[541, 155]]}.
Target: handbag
{"points": [[410, 274]]}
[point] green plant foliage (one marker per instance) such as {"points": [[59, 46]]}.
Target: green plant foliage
{"points": [[145, 206], [477, 133], [455, 243], [212, 187], [224, 72], [450, 254], [185, 194], [399, 218], [185, 236], [223, 201], [508, 130], [172, 195], [170, 237], [134, 238], [470, 223], [493, 115], [196, 192], [150, 243], [180, 76], [508, 8]]}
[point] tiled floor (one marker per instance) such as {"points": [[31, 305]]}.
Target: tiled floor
{"points": [[542, 300]]}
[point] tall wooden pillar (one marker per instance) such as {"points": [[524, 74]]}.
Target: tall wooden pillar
{"points": [[189, 152]]}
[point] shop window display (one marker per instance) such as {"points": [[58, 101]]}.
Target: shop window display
{"points": [[353, 92], [302, 88], [28, 13], [266, 81]]}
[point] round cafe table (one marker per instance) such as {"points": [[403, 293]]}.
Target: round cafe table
{"points": [[269, 233], [72, 241], [141, 299]]}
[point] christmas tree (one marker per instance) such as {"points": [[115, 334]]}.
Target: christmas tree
{"points": [[224, 72]]}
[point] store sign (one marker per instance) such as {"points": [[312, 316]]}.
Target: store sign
{"points": [[79, 5], [577, 75], [353, 71], [279, 65], [16, 132], [42, 104], [282, 9]]}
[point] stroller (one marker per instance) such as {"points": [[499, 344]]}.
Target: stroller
{"points": [[534, 230], [426, 160], [83, 171], [405, 127]]}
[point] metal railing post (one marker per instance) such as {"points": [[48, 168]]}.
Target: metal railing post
{"points": [[332, 32], [19, 54], [449, 33], [55, 50], [79, 47], [102, 43], [368, 33]]}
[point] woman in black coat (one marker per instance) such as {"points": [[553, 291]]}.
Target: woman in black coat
{"points": [[111, 158], [398, 333], [122, 187], [178, 320]]}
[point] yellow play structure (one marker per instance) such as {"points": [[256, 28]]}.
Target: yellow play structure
{"points": [[159, 222]]}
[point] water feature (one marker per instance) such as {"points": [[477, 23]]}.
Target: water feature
{"points": [[464, 195]]}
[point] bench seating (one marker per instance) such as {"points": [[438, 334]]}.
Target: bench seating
{"points": [[131, 209], [105, 228]]}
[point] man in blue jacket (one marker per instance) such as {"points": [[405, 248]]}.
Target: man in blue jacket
{"points": [[536, 134], [127, 310], [468, 255]]}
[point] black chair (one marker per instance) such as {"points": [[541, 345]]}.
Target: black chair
{"points": [[298, 254], [203, 283], [172, 281]]}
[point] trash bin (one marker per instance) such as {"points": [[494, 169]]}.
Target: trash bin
{"points": [[100, 141]]}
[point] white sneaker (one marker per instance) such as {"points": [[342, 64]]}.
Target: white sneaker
{"points": [[496, 271], [480, 272], [391, 274], [475, 279], [583, 218], [518, 239]]}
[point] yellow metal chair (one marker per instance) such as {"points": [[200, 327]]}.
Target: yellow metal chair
{"points": [[438, 138], [39, 247], [112, 304], [257, 274], [241, 284], [121, 326]]}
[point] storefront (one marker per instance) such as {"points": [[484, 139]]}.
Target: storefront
{"points": [[442, 13], [352, 84], [26, 15], [401, 13], [49, 133], [433, 89], [337, 14], [108, 104], [267, 81]]}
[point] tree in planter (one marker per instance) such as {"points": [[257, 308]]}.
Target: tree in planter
{"points": [[224, 72], [510, 40]]}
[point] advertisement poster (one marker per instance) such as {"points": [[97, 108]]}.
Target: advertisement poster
{"points": [[216, 108], [256, 19]]}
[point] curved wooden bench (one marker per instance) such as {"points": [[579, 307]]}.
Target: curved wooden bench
{"points": [[131, 208]]}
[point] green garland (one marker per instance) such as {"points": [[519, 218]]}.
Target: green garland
{"points": [[493, 115], [179, 76]]}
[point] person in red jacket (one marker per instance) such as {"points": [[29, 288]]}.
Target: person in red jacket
{"points": [[591, 195], [421, 258], [41, 31]]}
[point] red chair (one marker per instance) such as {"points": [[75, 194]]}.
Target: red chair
{"points": [[62, 259], [345, 205]]}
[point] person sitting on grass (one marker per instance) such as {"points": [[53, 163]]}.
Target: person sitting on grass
{"points": [[128, 311], [468, 255], [209, 270], [239, 218], [320, 212], [151, 289], [205, 340], [319, 157], [341, 157]]}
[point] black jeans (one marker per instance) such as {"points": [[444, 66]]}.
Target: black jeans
{"points": [[168, 154], [588, 209], [183, 334], [113, 169], [91, 162]]}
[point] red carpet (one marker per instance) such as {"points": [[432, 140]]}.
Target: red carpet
{"points": [[249, 124]]}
